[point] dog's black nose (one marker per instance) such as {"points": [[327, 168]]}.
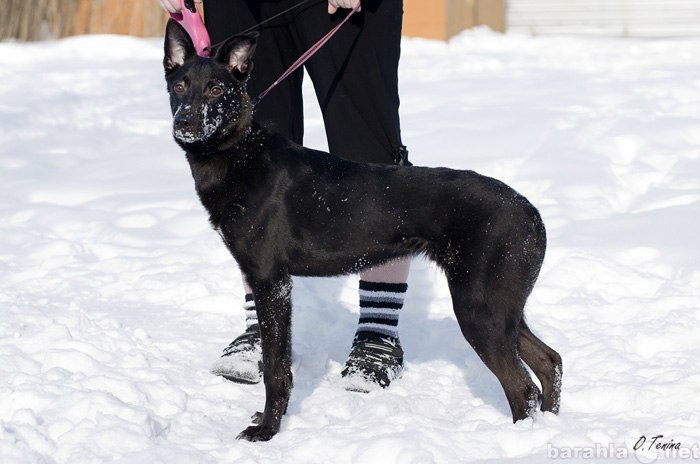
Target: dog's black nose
{"points": [[183, 123]]}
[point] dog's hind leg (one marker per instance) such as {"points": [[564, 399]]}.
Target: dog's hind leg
{"points": [[545, 363], [273, 305], [490, 321]]}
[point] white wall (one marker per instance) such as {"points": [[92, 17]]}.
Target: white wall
{"points": [[636, 18]]}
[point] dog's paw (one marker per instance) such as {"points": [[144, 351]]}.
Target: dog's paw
{"points": [[256, 433], [257, 418]]}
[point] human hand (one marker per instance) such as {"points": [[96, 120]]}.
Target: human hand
{"points": [[333, 5], [173, 6]]}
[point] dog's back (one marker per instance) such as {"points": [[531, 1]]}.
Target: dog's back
{"points": [[362, 210]]}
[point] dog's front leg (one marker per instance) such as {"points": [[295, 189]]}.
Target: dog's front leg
{"points": [[274, 308]]}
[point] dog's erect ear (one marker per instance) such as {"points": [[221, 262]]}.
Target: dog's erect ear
{"points": [[236, 54], [178, 46]]}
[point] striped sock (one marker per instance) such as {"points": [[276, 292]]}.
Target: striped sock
{"points": [[251, 317], [380, 305]]}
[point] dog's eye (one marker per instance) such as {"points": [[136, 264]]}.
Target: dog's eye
{"points": [[179, 88], [216, 91]]}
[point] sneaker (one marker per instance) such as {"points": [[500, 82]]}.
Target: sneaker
{"points": [[374, 361], [242, 360]]}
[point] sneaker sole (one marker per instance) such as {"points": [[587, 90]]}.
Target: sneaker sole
{"points": [[359, 384], [245, 381], [238, 375]]}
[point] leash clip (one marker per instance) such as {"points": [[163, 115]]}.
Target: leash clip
{"points": [[193, 24]]}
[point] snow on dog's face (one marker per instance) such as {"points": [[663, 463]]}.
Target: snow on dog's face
{"points": [[211, 109]]}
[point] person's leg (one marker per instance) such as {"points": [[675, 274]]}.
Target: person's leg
{"points": [[393, 272], [242, 358], [376, 356], [275, 51], [382, 290], [355, 77]]}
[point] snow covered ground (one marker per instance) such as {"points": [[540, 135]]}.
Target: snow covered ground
{"points": [[115, 296]]}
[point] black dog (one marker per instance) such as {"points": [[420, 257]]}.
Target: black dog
{"points": [[283, 210]]}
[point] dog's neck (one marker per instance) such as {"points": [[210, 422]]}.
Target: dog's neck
{"points": [[219, 174]]}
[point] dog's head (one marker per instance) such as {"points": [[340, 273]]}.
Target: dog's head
{"points": [[210, 105]]}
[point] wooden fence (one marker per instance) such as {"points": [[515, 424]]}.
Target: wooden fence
{"points": [[45, 19], [445, 18]]}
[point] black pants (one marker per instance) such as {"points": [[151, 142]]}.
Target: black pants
{"points": [[355, 75]]}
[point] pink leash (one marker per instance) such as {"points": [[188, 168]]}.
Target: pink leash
{"points": [[305, 56]]}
